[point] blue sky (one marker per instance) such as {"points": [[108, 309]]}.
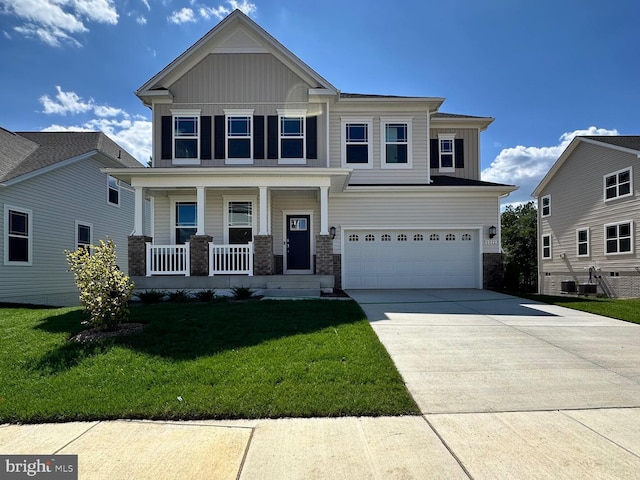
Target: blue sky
{"points": [[546, 70]]}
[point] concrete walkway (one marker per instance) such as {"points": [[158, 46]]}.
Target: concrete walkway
{"points": [[508, 389]]}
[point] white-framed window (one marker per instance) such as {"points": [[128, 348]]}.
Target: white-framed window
{"points": [[545, 206], [84, 234], [583, 248], [113, 191], [239, 136], [357, 146], [186, 137], [240, 219], [186, 215], [447, 152], [396, 147], [618, 238], [18, 236], [291, 141], [546, 247], [618, 184]]}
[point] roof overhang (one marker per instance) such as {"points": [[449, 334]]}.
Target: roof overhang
{"points": [[462, 122]]}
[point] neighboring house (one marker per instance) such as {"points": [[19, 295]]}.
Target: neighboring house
{"points": [[355, 191], [588, 215], [54, 197]]}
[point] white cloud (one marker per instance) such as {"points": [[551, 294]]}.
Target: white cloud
{"points": [[141, 20], [146, 4], [56, 21], [221, 11], [526, 166], [71, 102], [185, 15]]}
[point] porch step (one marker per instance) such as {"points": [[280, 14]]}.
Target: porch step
{"points": [[291, 293]]}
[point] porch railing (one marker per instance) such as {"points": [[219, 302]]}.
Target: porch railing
{"points": [[168, 259], [231, 259]]}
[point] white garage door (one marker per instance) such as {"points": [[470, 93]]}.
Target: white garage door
{"points": [[411, 259]]}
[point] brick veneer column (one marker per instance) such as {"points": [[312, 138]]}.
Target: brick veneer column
{"points": [[324, 255], [199, 253], [137, 249], [263, 254]]}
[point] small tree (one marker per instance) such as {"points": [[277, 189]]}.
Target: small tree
{"points": [[104, 289], [519, 240]]}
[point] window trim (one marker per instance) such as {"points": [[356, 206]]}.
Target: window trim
{"points": [[617, 173], [196, 113], [588, 242], [452, 138], [173, 199], [226, 199], [550, 247], [631, 237], [29, 213], [344, 121], [116, 188], [384, 121], [302, 115], [542, 206], [84, 224], [248, 113]]}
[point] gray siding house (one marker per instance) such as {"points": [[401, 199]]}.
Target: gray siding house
{"points": [[54, 197], [266, 175], [588, 215]]}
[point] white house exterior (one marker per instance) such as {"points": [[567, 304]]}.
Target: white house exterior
{"points": [[54, 197], [588, 216], [354, 191]]}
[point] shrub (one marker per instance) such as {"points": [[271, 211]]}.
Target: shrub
{"points": [[180, 296], [104, 290], [241, 293], [205, 295], [151, 296]]}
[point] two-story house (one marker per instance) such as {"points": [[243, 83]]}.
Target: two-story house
{"points": [[588, 214], [263, 168], [54, 197]]}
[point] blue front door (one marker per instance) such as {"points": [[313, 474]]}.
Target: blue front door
{"points": [[298, 242]]}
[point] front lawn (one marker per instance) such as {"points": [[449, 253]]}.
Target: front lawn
{"points": [[622, 309], [223, 360]]}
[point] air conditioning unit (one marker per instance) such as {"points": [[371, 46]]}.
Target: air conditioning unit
{"points": [[568, 287]]}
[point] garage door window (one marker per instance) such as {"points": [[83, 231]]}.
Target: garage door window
{"points": [[369, 238], [353, 237], [434, 237], [450, 237], [466, 237], [418, 237], [386, 237]]}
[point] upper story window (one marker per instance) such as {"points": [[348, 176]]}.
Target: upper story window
{"points": [[582, 242], [239, 128], [185, 137], [546, 247], [113, 191], [396, 143], [618, 184], [356, 143], [618, 238], [447, 152], [18, 236], [546, 205]]}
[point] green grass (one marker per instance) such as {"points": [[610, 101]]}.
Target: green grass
{"points": [[621, 309], [262, 359]]}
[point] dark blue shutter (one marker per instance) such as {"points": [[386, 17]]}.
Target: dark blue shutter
{"points": [[166, 134], [435, 153], [218, 137], [258, 137], [205, 138], [272, 137], [459, 148], [312, 138]]}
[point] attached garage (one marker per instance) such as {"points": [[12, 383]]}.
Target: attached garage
{"points": [[411, 259]]}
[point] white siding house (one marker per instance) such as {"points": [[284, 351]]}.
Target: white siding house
{"points": [[252, 147], [54, 197]]}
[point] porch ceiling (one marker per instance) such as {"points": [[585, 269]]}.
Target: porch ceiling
{"points": [[335, 178]]}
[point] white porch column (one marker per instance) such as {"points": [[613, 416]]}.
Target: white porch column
{"points": [[200, 199], [263, 227], [138, 216], [324, 210]]}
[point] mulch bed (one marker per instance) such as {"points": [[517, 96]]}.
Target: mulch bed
{"points": [[96, 334]]}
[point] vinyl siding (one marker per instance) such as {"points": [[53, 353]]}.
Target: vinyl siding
{"points": [[470, 136], [57, 199], [577, 201]]}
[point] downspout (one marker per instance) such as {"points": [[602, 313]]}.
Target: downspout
{"points": [[327, 135]]}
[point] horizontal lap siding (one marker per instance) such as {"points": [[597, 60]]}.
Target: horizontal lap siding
{"points": [[577, 194], [57, 199]]}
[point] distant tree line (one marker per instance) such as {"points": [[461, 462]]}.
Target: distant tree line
{"points": [[519, 242]]}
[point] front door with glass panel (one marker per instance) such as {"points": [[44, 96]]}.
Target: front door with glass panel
{"points": [[298, 244]]}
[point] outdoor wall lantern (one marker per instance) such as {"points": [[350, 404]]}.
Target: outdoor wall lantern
{"points": [[492, 231], [332, 232]]}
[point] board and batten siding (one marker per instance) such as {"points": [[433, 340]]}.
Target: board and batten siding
{"points": [[57, 199], [577, 201], [471, 138]]}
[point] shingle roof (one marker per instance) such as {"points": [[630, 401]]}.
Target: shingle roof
{"points": [[26, 152], [366, 95], [452, 115], [626, 141]]}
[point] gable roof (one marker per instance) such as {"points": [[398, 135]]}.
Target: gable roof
{"points": [[628, 143], [256, 40], [23, 153]]}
